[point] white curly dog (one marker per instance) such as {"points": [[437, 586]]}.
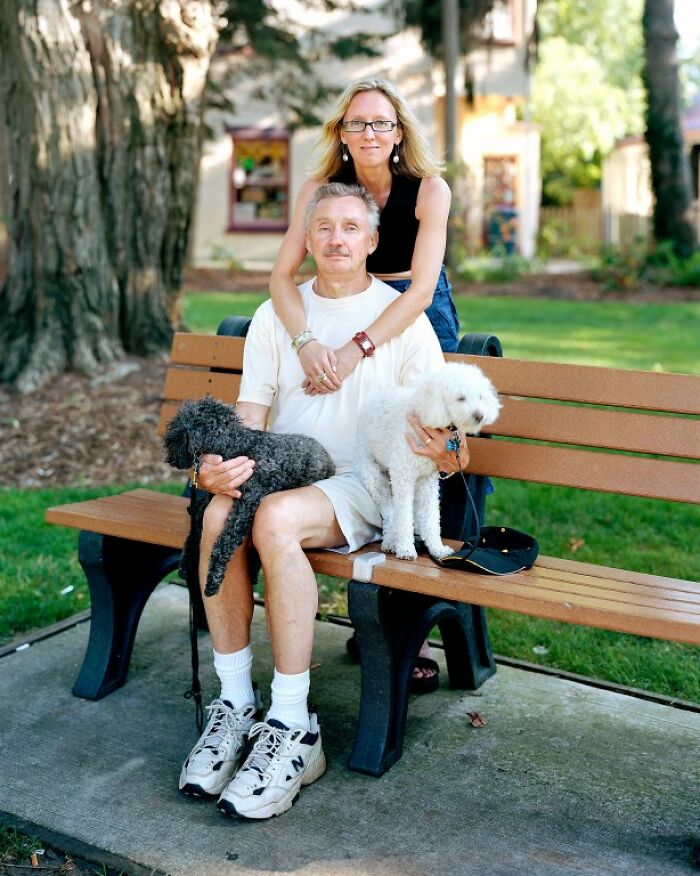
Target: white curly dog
{"points": [[405, 486]]}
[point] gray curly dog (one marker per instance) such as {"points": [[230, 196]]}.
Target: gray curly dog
{"points": [[282, 462]]}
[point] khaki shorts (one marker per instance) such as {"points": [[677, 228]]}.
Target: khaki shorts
{"points": [[355, 511]]}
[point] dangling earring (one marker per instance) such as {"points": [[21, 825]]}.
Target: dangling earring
{"points": [[395, 157], [344, 150]]}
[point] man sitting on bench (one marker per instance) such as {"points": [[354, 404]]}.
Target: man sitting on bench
{"points": [[341, 225]]}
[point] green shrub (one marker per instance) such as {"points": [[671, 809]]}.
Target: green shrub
{"points": [[225, 257], [495, 268], [626, 266], [555, 240], [622, 267]]}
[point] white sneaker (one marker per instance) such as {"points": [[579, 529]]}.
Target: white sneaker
{"points": [[213, 761], [282, 760]]}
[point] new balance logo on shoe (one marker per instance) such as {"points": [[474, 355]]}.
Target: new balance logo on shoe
{"points": [[281, 761]]}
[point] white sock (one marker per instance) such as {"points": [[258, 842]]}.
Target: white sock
{"points": [[234, 671], [289, 699]]}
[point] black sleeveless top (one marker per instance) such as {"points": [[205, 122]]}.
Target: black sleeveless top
{"points": [[398, 226]]}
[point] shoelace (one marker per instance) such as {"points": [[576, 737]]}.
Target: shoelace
{"points": [[219, 714], [265, 748]]}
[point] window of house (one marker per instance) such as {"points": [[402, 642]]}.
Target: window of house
{"points": [[259, 180]]}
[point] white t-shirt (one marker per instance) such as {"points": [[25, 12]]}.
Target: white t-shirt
{"points": [[272, 373]]}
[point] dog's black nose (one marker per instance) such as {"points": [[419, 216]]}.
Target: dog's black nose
{"points": [[478, 416]]}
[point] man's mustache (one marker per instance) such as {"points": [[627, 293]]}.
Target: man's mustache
{"points": [[336, 250]]}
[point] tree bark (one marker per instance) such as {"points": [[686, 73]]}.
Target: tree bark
{"points": [[103, 107], [670, 171]]}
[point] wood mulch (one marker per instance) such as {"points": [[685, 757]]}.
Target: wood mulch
{"points": [[77, 430], [566, 286], [82, 431]]}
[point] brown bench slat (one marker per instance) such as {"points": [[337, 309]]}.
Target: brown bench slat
{"points": [[610, 574], [593, 580], [170, 526], [516, 595], [141, 515], [181, 384], [566, 585], [340, 565], [159, 518], [615, 430], [211, 351], [585, 469], [591, 384], [520, 593], [556, 584]]}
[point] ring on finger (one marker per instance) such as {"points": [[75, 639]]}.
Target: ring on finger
{"points": [[428, 440], [322, 377]]}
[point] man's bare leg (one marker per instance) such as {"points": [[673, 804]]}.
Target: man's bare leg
{"points": [[229, 612], [285, 524], [288, 752]]}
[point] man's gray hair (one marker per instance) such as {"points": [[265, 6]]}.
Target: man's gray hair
{"points": [[344, 190]]}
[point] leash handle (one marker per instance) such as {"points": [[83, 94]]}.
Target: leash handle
{"points": [[455, 444], [192, 578], [195, 691]]}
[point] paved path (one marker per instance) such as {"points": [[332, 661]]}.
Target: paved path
{"points": [[563, 779]]}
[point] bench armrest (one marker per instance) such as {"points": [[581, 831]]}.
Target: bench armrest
{"points": [[234, 326], [476, 344]]}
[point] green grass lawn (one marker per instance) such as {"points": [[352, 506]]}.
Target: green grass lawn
{"points": [[663, 337], [38, 562]]}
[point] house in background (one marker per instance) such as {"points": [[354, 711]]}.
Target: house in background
{"points": [[627, 197], [252, 169]]}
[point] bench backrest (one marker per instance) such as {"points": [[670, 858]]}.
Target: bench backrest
{"points": [[606, 429], [594, 428]]}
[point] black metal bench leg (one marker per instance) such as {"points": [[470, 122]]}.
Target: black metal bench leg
{"points": [[390, 626], [375, 747], [121, 575], [468, 651]]}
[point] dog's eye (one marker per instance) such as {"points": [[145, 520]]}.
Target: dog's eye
{"points": [[461, 398]]}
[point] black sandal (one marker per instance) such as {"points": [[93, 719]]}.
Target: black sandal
{"points": [[423, 685]]}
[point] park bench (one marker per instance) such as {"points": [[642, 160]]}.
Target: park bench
{"points": [[609, 430]]}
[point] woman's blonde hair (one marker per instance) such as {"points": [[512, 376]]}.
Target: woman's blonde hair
{"points": [[416, 158]]}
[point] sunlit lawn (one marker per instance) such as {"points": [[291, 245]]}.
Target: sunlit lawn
{"points": [[647, 336]]}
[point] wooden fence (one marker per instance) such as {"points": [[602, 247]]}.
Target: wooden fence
{"points": [[567, 229]]}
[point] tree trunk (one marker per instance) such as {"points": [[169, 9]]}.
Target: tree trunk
{"points": [[669, 163], [103, 108]]}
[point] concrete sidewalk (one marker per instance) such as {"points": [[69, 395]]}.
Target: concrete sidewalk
{"points": [[563, 779]]}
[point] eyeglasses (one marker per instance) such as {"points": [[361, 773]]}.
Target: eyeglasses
{"points": [[381, 126]]}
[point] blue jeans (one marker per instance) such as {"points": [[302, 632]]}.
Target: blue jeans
{"points": [[441, 313]]}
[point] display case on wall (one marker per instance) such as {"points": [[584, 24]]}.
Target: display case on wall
{"points": [[259, 180], [501, 203]]}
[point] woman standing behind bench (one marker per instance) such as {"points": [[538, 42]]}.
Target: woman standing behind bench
{"points": [[372, 138]]}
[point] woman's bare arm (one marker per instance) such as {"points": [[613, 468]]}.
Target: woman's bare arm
{"points": [[432, 211]]}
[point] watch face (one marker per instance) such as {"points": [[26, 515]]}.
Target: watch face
{"points": [[364, 343]]}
